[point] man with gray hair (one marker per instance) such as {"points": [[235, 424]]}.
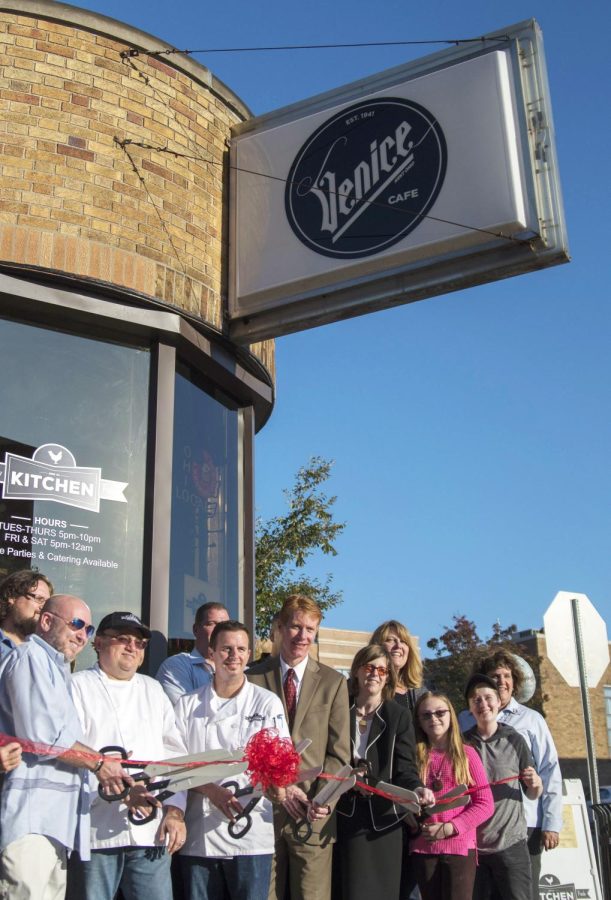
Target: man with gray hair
{"points": [[44, 805]]}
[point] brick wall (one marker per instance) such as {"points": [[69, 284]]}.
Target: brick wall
{"points": [[563, 712], [73, 199]]}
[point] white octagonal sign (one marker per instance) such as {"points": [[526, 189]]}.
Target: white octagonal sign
{"points": [[560, 638]]}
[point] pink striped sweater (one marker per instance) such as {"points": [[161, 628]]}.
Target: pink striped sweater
{"points": [[465, 818]]}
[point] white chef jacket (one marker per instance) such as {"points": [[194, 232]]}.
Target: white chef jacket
{"points": [[206, 721], [137, 716]]}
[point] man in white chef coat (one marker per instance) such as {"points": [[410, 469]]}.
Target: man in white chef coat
{"points": [[223, 715], [119, 707]]}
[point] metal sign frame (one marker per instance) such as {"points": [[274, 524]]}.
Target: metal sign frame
{"points": [[307, 302]]}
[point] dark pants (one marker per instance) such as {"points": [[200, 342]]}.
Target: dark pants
{"points": [[507, 871], [536, 851], [235, 878], [445, 876], [409, 888]]}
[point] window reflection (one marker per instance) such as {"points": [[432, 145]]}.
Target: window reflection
{"points": [[88, 401], [204, 535]]}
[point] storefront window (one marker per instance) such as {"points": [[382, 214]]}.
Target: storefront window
{"points": [[204, 535], [73, 439]]}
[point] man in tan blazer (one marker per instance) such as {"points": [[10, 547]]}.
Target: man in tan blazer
{"points": [[315, 697]]}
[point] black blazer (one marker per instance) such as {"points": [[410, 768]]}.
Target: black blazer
{"points": [[391, 753]]}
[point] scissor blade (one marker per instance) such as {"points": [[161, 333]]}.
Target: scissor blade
{"points": [[455, 792], [446, 801], [205, 775], [400, 796], [302, 746], [308, 774], [443, 807], [173, 766], [334, 789]]}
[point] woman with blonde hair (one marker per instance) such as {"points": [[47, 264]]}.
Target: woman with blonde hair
{"points": [[444, 852], [405, 655]]}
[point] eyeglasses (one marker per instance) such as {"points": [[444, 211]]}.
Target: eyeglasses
{"points": [[36, 597], [433, 713], [382, 671], [75, 624], [126, 639]]}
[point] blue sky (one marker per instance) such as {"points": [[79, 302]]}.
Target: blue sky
{"points": [[471, 433]]}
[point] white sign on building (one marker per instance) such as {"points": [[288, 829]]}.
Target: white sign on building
{"points": [[420, 180]]}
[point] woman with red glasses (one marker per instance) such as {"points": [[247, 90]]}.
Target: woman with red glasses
{"points": [[368, 853], [444, 852]]}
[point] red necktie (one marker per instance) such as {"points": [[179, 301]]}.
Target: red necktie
{"points": [[290, 695]]}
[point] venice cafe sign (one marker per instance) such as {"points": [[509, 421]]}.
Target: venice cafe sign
{"points": [[423, 179]]}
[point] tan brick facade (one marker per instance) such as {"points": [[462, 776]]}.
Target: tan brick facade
{"points": [[74, 197], [563, 712]]}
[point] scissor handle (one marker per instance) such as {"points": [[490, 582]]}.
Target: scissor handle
{"points": [[302, 830], [140, 819], [113, 798], [231, 785], [236, 832]]}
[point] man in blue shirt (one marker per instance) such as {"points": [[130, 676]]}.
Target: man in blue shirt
{"points": [[22, 595], [185, 672], [44, 806]]}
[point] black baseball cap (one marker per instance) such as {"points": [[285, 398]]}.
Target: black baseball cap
{"points": [[122, 621], [480, 680]]}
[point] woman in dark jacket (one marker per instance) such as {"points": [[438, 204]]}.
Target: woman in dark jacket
{"points": [[405, 656], [369, 845]]}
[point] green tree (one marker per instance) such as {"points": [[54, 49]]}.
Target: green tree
{"points": [[457, 649], [284, 544]]}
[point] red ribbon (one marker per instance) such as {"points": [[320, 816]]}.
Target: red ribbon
{"points": [[272, 762]]}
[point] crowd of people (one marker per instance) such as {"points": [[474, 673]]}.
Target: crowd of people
{"points": [[444, 806]]}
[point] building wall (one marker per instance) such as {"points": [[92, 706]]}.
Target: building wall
{"points": [[337, 647], [75, 197], [562, 709]]}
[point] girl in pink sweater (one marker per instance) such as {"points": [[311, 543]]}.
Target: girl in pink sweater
{"points": [[444, 853]]}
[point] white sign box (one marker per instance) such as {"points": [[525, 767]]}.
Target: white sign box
{"points": [[420, 180]]}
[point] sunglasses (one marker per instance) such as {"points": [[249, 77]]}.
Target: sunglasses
{"points": [[75, 624], [126, 639], [381, 671], [433, 714]]}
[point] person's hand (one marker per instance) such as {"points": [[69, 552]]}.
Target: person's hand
{"points": [[437, 831], [316, 812], [530, 778], [425, 796], [172, 830], [221, 798], [140, 802], [360, 772], [275, 794], [296, 802], [549, 840], [112, 776], [10, 756]]}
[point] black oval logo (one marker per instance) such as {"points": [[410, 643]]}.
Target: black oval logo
{"points": [[366, 178]]}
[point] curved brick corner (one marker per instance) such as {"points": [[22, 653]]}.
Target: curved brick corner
{"points": [[78, 194]]}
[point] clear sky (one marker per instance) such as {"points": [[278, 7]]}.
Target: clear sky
{"points": [[471, 433]]}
